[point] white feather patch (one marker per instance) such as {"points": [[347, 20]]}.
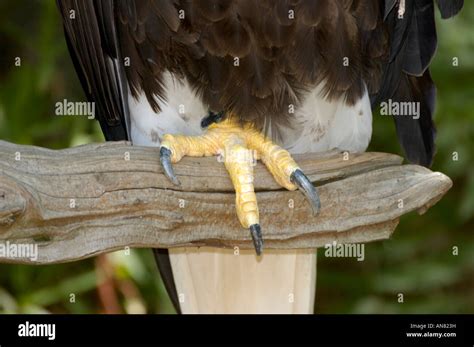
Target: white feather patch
{"points": [[321, 125], [180, 114]]}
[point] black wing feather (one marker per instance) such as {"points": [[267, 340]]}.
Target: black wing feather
{"points": [[406, 76], [449, 8], [162, 259], [421, 41], [92, 50]]}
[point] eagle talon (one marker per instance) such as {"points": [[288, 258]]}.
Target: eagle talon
{"points": [[305, 185], [257, 238], [165, 160]]}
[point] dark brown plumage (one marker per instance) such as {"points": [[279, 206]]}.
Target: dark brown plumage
{"points": [[283, 47]]}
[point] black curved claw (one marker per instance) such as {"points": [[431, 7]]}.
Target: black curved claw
{"points": [[305, 185], [256, 233], [165, 160]]}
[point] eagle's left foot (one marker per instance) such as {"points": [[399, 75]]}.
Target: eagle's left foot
{"points": [[240, 145]]}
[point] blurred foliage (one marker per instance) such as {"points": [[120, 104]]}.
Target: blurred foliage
{"points": [[417, 261]]}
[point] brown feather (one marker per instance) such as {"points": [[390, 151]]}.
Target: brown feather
{"points": [[284, 48]]}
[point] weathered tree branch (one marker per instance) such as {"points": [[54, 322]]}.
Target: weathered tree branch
{"points": [[79, 202]]}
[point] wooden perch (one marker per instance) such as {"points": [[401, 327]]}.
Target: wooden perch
{"points": [[79, 202]]}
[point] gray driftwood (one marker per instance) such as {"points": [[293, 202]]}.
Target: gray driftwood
{"points": [[79, 202]]}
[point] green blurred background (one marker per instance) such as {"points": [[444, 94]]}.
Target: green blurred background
{"points": [[417, 261]]}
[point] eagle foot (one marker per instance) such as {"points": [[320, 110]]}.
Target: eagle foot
{"points": [[240, 146]]}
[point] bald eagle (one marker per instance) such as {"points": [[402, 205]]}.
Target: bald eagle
{"points": [[264, 78]]}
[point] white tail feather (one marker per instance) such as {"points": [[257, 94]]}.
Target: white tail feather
{"points": [[214, 280]]}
